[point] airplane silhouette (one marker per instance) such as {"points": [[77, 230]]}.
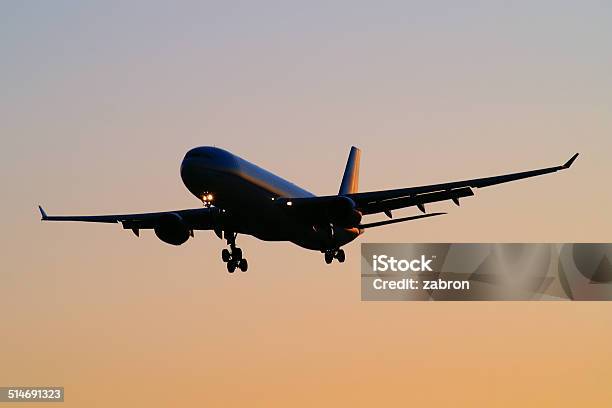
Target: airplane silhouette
{"points": [[242, 198]]}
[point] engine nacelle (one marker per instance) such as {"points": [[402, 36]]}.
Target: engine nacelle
{"points": [[343, 213], [171, 229], [351, 220]]}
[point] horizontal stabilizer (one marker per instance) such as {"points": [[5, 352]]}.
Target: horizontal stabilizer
{"points": [[386, 222]]}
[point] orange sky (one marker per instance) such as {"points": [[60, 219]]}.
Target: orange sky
{"points": [[101, 101]]}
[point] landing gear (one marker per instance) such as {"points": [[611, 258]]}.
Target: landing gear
{"points": [[241, 264], [233, 257], [226, 256], [332, 254], [340, 255]]}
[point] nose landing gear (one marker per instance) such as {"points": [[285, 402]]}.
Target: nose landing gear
{"points": [[332, 254], [233, 257]]}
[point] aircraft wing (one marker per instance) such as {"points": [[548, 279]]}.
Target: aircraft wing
{"points": [[324, 207], [198, 218], [387, 200]]}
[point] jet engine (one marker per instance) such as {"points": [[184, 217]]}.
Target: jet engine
{"points": [[342, 212], [172, 229]]}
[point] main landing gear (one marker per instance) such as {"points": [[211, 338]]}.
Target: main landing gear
{"points": [[332, 254], [233, 257]]}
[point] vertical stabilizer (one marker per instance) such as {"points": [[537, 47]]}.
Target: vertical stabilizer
{"points": [[350, 180]]}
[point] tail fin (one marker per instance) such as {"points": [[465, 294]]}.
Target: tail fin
{"points": [[350, 180]]}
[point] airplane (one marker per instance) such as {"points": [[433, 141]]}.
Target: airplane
{"points": [[239, 197]]}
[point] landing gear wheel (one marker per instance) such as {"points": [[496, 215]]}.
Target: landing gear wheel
{"points": [[225, 255], [233, 255], [340, 256], [329, 257], [236, 254]]}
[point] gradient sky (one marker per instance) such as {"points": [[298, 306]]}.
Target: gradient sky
{"points": [[100, 100]]}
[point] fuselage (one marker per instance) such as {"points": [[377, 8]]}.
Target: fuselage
{"points": [[250, 193]]}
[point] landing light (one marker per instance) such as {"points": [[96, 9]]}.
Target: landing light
{"points": [[207, 199], [289, 203]]}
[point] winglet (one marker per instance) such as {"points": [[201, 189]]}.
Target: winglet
{"points": [[570, 161], [43, 214]]}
